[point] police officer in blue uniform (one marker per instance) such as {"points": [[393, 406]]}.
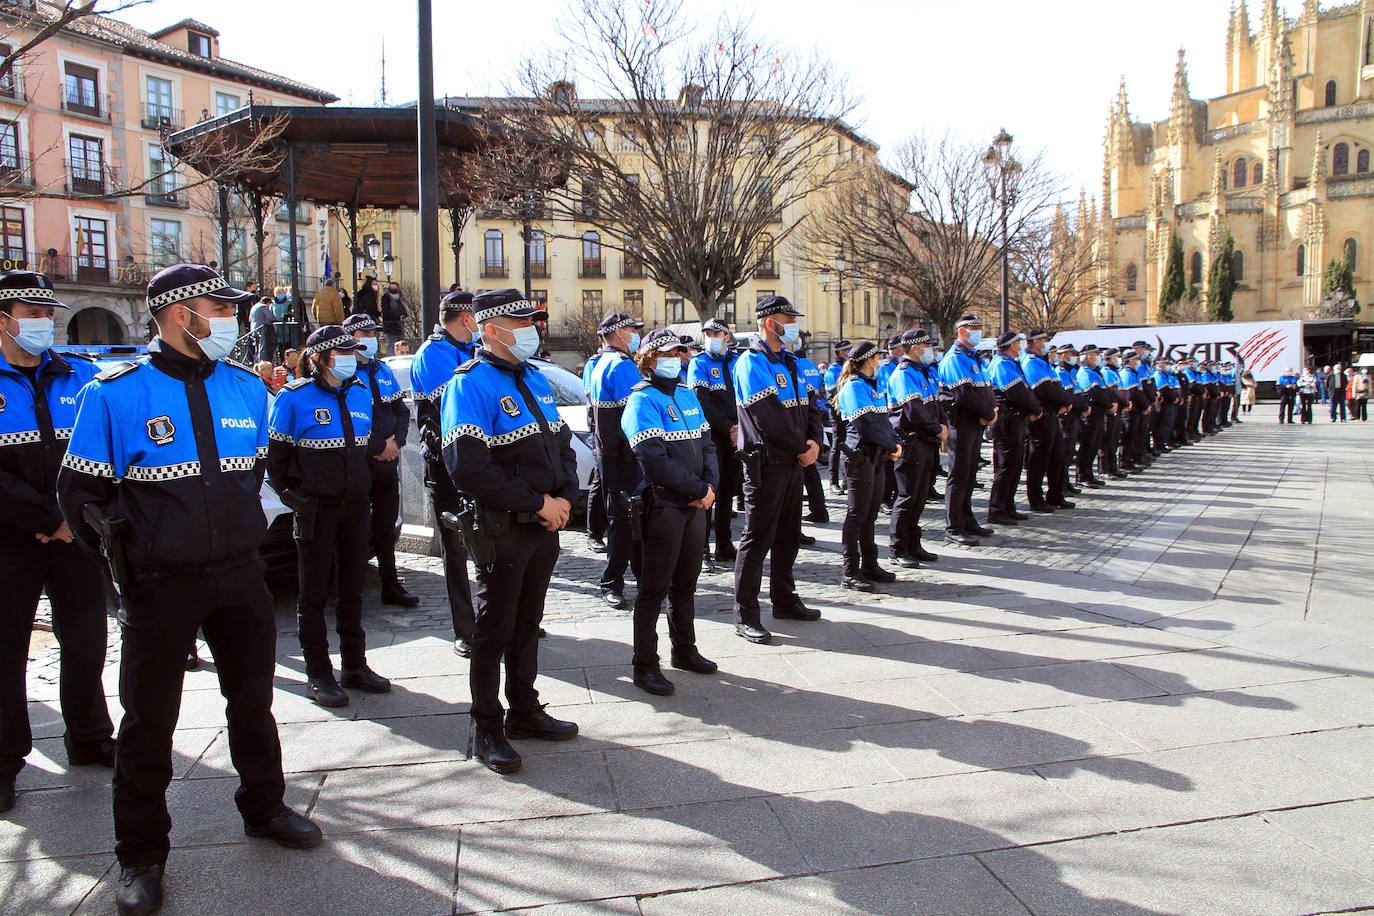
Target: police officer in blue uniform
{"points": [[390, 426], [170, 449], [1166, 384], [509, 451], [1045, 468], [1070, 422], [779, 434], [913, 398], [1133, 383], [452, 344], [671, 439], [611, 380], [811, 376], [317, 461], [596, 498], [965, 387], [1111, 436], [1197, 398], [831, 378], [710, 375], [1017, 405], [1093, 386], [38, 395], [869, 439]]}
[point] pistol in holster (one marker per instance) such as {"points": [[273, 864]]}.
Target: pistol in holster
{"points": [[304, 510], [754, 458], [111, 531], [636, 510]]}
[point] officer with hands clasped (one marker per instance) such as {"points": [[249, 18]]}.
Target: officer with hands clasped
{"points": [[964, 385], [780, 432], [451, 345], [1093, 386], [1017, 406], [913, 397], [38, 395], [672, 442], [869, 440], [710, 375], [509, 452], [317, 462], [166, 459], [390, 425], [831, 379], [611, 380]]}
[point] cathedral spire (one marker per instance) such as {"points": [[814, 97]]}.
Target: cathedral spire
{"points": [[1181, 109], [1281, 81], [1269, 23], [1218, 178], [1318, 182], [1311, 9], [1239, 35]]}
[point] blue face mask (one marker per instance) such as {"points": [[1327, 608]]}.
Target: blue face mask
{"points": [[789, 334], [975, 338], [526, 343], [715, 345], [35, 335], [634, 342], [368, 347], [668, 367], [927, 357], [345, 366], [279, 307]]}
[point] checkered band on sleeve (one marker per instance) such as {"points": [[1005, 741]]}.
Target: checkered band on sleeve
{"points": [[914, 396], [86, 466], [394, 396], [611, 405], [644, 435], [505, 308], [792, 402], [759, 396], [280, 437], [238, 464], [23, 438], [166, 472], [262, 451], [328, 344], [322, 443], [63, 433], [437, 392], [36, 292], [360, 440], [183, 293], [709, 386], [977, 384], [467, 429], [871, 408], [1043, 381]]}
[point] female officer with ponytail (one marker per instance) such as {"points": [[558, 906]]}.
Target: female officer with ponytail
{"points": [[869, 437], [317, 463], [671, 440]]}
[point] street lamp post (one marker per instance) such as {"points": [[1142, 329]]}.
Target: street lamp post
{"points": [[1003, 174], [374, 248], [841, 265]]}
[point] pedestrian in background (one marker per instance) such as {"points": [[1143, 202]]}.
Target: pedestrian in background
{"points": [[394, 313], [1307, 393], [1360, 406], [1248, 391], [327, 305], [1335, 389], [365, 303]]}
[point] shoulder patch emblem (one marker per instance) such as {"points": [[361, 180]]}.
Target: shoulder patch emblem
{"points": [[509, 406], [672, 414], [2, 403], [161, 430], [782, 381], [715, 372], [322, 415]]}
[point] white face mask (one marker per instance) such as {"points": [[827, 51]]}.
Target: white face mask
{"points": [[668, 367], [526, 343], [975, 338], [715, 345], [927, 356], [35, 335], [224, 333], [368, 346], [634, 343], [345, 366]]}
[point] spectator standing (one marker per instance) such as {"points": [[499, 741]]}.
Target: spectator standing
{"points": [[365, 303], [1249, 389], [1359, 406], [1307, 393], [327, 306], [393, 314], [262, 321], [1335, 389], [1323, 382]]}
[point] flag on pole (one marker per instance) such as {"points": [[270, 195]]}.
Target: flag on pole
{"points": [[327, 271], [80, 242]]}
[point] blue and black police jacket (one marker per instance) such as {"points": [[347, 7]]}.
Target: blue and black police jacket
{"points": [[913, 400], [176, 446], [671, 439], [964, 384], [390, 415], [1287, 380], [1044, 383], [317, 440], [776, 409], [614, 375], [494, 446], [865, 413], [1013, 395], [1094, 387], [712, 380], [832, 376], [810, 374], [431, 369], [885, 370], [1166, 383], [34, 428]]}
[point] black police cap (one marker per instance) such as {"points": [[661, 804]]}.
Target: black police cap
{"points": [[774, 305], [190, 281], [861, 351], [1007, 339], [615, 321], [330, 337], [504, 303], [28, 286], [360, 322], [460, 300]]}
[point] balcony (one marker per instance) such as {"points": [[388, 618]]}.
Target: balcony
{"points": [[538, 269], [95, 269], [494, 267], [97, 107], [767, 270], [631, 269], [165, 194], [591, 268], [87, 180], [16, 170], [12, 88], [157, 117]]}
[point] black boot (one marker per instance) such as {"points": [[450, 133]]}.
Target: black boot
{"points": [[920, 553], [653, 681], [140, 890], [692, 660], [325, 691], [535, 723], [287, 829], [495, 752], [364, 679], [393, 592], [876, 573], [6, 793]]}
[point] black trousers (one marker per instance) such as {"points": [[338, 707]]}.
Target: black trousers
{"points": [[1286, 407], [443, 497], [1094, 429], [339, 544], [772, 522], [964, 443], [158, 626], [596, 507], [1044, 442], [1008, 458], [838, 430], [730, 471], [673, 541], [1111, 438], [75, 584], [913, 473], [622, 551], [1305, 408], [815, 495], [1168, 414], [1195, 416], [1070, 428], [385, 500], [864, 482], [1209, 414], [510, 605]]}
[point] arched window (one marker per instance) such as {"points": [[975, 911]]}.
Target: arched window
{"points": [[1132, 277], [1302, 260], [1350, 249], [1259, 173], [591, 255], [1340, 159], [1238, 266], [1239, 172], [1196, 271], [1362, 161], [493, 253], [537, 256], [1330, 93]]}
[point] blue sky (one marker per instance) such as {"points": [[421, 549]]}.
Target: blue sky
{"points": [[1046, 71]]}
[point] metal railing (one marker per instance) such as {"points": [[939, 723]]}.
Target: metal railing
{"points": [[494, 267], [156, 117], [591, 267], [631, 268], [84, 178], [96, 269], [100, 108], [539, 269], [12, 87], [767, 270], [16, 170]]}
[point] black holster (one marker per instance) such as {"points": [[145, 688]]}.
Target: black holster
{"points": [[304, 510], [111, 530]]}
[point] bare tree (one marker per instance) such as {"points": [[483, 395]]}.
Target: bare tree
{"points": [[579, 329], [46, 20], [927, 225], [692, 150], [1055, 274]]}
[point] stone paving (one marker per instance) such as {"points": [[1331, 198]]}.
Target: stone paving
{"points": [[1158, 703]]}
